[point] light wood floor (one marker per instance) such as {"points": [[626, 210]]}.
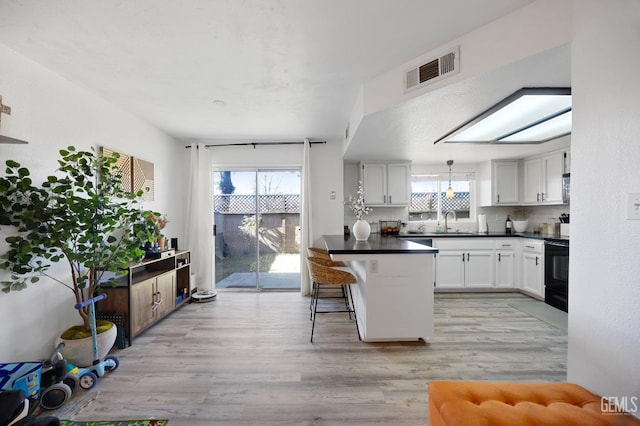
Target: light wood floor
{"points": [[245, 359]]}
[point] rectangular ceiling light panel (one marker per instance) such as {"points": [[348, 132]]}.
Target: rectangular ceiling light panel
{"points": [[519, 118], [544, 131]]}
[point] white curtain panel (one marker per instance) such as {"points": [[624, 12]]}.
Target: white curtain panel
{"points": [[199, 225], [305, 221]]}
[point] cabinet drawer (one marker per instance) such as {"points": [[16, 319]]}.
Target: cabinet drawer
{"points": [[533, 246], [464, 243], [505, 244]]}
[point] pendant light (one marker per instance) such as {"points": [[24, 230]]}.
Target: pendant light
{"points": [[450, 193]]}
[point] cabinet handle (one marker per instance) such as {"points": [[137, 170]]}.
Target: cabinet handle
{"points": [[467, 257], [536, 260], [499, 257], [463, 257], [390, 199], [506, 245], [542, 196], [384, 198], [530, 247], [538, 197], [498, 200]]}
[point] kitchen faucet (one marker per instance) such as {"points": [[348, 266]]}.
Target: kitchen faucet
{"points": [[446, 215]]}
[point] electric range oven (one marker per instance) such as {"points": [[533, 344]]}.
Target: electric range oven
{"points": [[556, 273]]}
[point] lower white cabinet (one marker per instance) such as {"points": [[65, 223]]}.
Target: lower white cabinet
{"points": [[505, 258], [465, 263], [533, 267]]}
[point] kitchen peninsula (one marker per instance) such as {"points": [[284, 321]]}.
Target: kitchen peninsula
{"points": [[394, 294]]}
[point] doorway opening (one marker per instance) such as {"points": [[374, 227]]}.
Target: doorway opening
{"points": [[257, 229]]}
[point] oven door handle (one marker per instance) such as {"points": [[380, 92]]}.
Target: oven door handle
{"points": [[549, 243]]}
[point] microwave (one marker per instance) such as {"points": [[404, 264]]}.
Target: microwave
{"points": [[566, 188]]}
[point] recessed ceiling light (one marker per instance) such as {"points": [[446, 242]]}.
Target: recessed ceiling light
{"points": [[219, 102]]}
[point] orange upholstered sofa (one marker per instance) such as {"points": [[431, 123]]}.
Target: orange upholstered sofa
{"points": [[519, 404]]}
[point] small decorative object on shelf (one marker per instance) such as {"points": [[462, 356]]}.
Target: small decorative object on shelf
{"points": [[361, 229]]}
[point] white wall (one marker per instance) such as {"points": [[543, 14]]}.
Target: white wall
{"points": [[52, 114], [533, 29], [604, 286]]}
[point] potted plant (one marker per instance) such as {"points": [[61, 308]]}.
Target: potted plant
{"points": [[520, 218], [81, 215], [361, 229]]}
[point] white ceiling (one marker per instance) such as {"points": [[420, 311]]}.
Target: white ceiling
{"points": [[284, 69]]}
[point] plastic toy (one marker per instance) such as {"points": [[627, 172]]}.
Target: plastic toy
{"points": [[46, 381]]}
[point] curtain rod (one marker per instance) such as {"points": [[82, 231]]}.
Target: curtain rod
{"points": [[254, 144]]}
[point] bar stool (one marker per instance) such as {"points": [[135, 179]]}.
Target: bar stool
{"points": [[322, 274], [323, 254], [320, 253]]}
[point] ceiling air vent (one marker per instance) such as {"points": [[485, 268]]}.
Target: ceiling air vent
{"points": [[434, 70]]}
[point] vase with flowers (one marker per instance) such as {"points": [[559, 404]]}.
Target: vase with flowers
{"points": [[160, 221], [361, 229]]}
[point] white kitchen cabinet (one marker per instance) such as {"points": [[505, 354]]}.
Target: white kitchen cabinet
{"points": [[533, 267], [543, 179], [450, 269], [386, 184], [499, 183], [465, 263], [505, 257]]}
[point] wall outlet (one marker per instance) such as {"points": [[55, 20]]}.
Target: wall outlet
{"points": [[633, 206]]}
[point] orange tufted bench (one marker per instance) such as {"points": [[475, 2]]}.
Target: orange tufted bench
{"points": [[518, 404]]}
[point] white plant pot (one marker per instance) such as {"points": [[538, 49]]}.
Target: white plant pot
{"points": [[520, 225], [79, 352], [361, 230]]}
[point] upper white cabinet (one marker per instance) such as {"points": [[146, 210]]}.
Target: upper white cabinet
{"points": [[543, 179], [386, 184], [499, 183]]}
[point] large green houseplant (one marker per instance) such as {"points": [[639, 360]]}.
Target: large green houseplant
{"points": [[79, 214]]}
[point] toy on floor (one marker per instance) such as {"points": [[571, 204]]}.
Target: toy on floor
{"points": [[45, 381], [89, 376]]}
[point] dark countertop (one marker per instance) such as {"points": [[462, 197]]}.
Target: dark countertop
{"points": [[489, 235], [376, 244]]}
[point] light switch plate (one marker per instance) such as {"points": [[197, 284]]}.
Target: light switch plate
{"points": [[633, 206]]}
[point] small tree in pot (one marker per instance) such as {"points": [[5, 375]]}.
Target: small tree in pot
{"points": [[81, 215]]}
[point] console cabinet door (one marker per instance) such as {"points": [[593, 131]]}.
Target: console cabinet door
{"points": [[165, 294], [142, 300]]}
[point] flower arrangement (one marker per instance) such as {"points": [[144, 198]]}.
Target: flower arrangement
{"points": [[160, 220], [357, 204]]}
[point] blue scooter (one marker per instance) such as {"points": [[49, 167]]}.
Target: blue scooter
{"points": [[88, 376]]}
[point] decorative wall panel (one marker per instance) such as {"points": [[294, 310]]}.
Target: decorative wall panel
{"points": [[142, 178], [123, 164]]}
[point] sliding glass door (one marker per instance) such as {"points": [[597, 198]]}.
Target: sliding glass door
{"points": [[257, 228]]}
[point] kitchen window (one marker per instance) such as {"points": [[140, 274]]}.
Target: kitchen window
{"points": [[429, 201]]}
